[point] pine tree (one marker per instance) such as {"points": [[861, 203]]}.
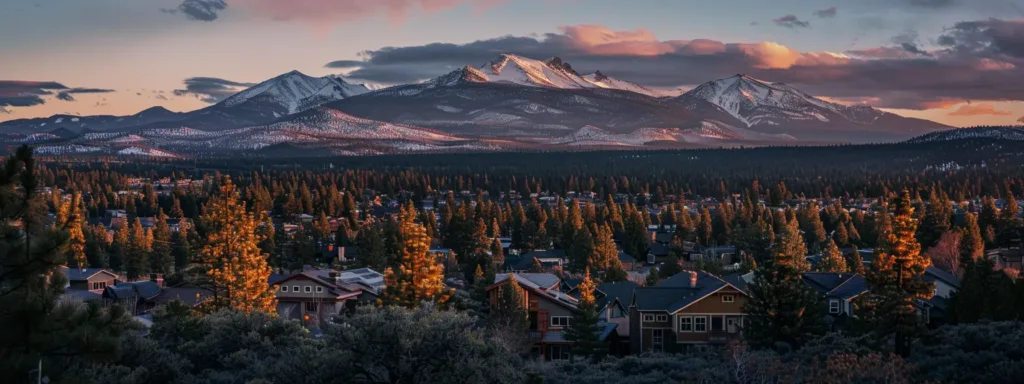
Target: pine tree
{"points": [[832, 259], [854, 262], [704, 235], [652, 279], [583, 331], [615, 273], [972, 244], [671, 267], [497, 253], [582, 251], [236, 269], [790, 249], [510, 312], [75, 221], [896, 280], [606, 254], [136, 263], [119, 248], [161, 260], [782, 309], [418, 276], [985, 294], [36, 326], [371, 248]]}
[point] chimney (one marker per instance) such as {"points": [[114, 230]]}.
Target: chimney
{"points": [[157, 278], [332, 274], [693, 279]]}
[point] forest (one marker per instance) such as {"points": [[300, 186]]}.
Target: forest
{"points": [[236, 222]]}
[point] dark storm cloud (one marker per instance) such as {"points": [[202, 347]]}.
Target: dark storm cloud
{"points": [[66, 94], [826, 13], [210, 89], [345, 64], [791, 21], [201, 10], [14, 93], [979, 61]]}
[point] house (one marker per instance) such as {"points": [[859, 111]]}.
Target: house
{"points": [[550, 311], [612, 301], [839, 290], [316, 295], [89, 279], [690, 308], [628, 262], [725, 254], [549, 259], [945, 285], [135, 297]]}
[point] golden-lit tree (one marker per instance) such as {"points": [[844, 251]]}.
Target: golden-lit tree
{"points": [[71, 215], [419, 276], [832, 259], [235, 267]]}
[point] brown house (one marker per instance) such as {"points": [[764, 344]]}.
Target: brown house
{"points": [[690, 308], [550, 311], [315, 296], [89, 279]]}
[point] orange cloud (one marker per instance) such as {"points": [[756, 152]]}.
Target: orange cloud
{"points": [[978, 110], [993, 65], [771, 55], [598, 40]]}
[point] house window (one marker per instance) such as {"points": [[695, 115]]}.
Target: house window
{"points": [[700, 324], [559, 321], [833, 306], [728, 298], [657, 340], [284, 288], [686, 324], [662, 318], [319, 289], [309, 289], [295, 288], [99, 285], [559, 352], [648, 317], [311, 306]]}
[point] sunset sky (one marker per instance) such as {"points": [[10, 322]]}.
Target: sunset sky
{"points": [[958, 62]]}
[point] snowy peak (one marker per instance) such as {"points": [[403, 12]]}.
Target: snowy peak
{"points": [[604, 81], [519, 70], [755, 101], [295, 91]]}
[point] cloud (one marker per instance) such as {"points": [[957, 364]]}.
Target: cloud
{"points": [[6, 111], [826, 13], [1021, 120], [992, 37], [932, 3], [200, 10], [791, 21], [14, 93], [895, 76], [66, 94], [979, 110], [210, 89]]}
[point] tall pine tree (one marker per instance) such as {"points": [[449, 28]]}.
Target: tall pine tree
{"points": [[583, 331]]}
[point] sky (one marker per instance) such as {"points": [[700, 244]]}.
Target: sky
{"points": [[958, 62]]}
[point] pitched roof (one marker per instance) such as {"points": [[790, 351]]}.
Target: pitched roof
{"points": [[545, 254], [935, 274], [191, 296], [676, 293], [843, 285], [537, 280], [620, 290], [79, 274], [626, 258]]}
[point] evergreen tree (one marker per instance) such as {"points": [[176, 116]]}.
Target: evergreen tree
{"points": [[782, 309], [985, 294], [832, 259], [497, 253], [704, 235], [371, 248], [671, 267], [972, 244], [615, 273], [896, 281], [119, 248], [75, 216], [418, 276], [183, 250], [790, 249], [653, 278], [510, 312], [854, 262], [136, 263], [235, 268], [583, 331], [161, 260], [38, 328], [582, 251]]}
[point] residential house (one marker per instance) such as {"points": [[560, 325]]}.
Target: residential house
{"points": [[550, 311], [690, 308], [89, 279], [135, 297], [628, 262], [945, 285], [316, 295], [839, 290]]}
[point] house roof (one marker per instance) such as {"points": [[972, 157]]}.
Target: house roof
{"points": [[543, 281], [191, 296], [545, 254], [144, 289], [845, 285], [659, 249], [79, 274], [676, 293], [82, 295], [935, 274], [620, 290], [626, 258]]}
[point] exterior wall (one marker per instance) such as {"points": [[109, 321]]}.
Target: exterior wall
{"points": [[943, 289], [302, 284], [87, 285]]}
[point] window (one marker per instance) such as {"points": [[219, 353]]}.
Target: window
{"points": [[700, 324], [559, 352], [686, 324], [657, 340], [559, 321], [833, 306], [648, 317], [309, 289], [311, 306], [99, 285], [662, 318], [319, 289], [284, 288], [728, 298], [295, 288]]}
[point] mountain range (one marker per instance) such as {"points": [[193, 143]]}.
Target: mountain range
{"points": [[511, 102]]}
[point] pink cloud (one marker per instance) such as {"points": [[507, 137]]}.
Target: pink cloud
{"points": [[598, 40], [325, 14], [993, 65], [979, 110]]}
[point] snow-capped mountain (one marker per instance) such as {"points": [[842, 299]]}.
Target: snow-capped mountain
{"points": [[294, 91], [996, 133], [601, 80], [80, 124], [781, 109]]}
